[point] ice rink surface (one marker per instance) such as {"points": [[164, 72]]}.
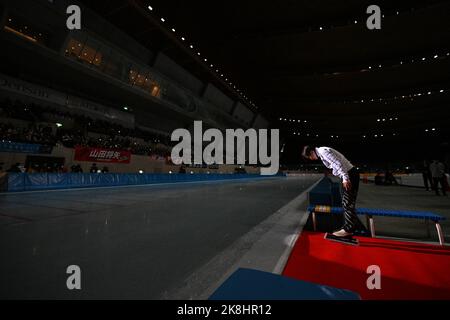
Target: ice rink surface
{"points": [[130, 242]]}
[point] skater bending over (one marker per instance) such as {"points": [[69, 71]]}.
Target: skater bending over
{"points": [[343, 169]]}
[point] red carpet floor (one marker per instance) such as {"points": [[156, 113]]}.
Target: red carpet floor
{"points": [[408, 270]]}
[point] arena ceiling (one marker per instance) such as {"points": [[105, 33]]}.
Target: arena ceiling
{"points": [[311, 67]]}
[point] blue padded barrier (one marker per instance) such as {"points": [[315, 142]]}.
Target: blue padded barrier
{"points": [[247, 284], [388, 213], [47, 181]]}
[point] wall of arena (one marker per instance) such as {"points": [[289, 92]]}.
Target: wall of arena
{"points": [[137, 163]]}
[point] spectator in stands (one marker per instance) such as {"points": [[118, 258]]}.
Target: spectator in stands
{"points": [[1, 166], [105, 169], [94, 168], [113, 135], [76, 168], [34, 168], [182, 169], [15, 168], [437, 169]]}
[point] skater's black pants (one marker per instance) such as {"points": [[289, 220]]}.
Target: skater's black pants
{"points": [[435, 185], [426, 179], [349, 201]]}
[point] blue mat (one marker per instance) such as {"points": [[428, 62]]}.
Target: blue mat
{"points": [[247, 284]]}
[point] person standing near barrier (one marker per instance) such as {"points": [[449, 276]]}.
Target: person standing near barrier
{"points": [[437, 169], [426, 174], [349, 174]]}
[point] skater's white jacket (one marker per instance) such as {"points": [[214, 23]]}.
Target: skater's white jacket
{"points": [[333, 159]]}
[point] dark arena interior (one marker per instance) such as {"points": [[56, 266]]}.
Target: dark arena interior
{"points": [[224, 150]]}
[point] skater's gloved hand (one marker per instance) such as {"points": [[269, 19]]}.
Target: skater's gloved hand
{"points": [[347, 185]]}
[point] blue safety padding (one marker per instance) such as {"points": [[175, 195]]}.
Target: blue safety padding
{"points": [[47, 181], [389, 213], [248, 284]]}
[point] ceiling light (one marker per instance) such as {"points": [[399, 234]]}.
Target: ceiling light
{"points": [[173, 30], [192, 47], [436, 56], [150, 8], [163, 20], [441, 91]]}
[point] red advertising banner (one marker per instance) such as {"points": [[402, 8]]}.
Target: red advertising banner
{"points": [[102, 155]]}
